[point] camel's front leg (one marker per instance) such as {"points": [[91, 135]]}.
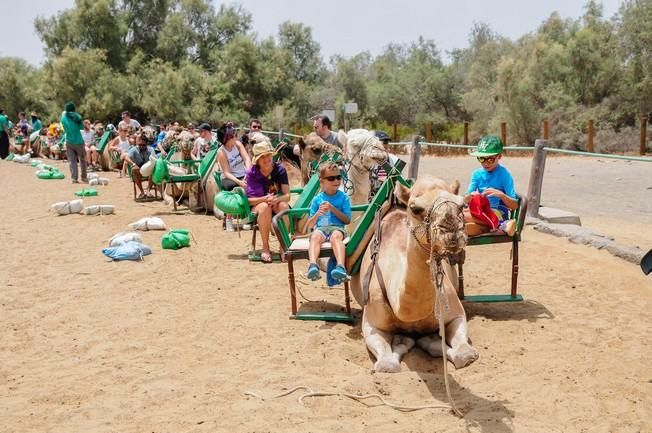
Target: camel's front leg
{"points": [[387, 348], [459, 351]]}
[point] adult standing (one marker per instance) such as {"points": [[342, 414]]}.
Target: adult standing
{"points": [[132, 124], [321, 124], [36, 122], [75, 150], [4, 135]]}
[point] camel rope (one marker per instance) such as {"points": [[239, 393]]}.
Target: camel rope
{"points": [[357, 397]]}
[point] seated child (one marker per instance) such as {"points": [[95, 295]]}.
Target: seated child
{"points": [[491, 194], [330, 211]]}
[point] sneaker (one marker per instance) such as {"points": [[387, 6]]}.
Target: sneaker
{"points": [[75, 181], [509, 227], [313, 272], [339, 273], [84, 180], [229, 225]]}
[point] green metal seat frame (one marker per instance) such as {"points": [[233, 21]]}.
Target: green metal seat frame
{"points": [[355, 248], [204, 165], [490, 239]]}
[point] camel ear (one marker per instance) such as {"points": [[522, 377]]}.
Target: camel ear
{"points": [[342, 138], [455, 187], [402, 193], [302, 144]]}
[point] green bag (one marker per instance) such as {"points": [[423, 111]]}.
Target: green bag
{"points": [[161, 172], [50, 174], [175, 239], [10, 156], [86, 192], [232, 203]]}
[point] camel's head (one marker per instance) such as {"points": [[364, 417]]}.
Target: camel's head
{"points": [[185, 142], [150, 132], [364, 149], [434, 212], [312, 149], [98, 129]]}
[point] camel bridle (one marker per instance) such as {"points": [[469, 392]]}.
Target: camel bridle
{"points": [[424, 227]]}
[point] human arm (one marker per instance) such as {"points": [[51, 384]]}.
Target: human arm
{"points": [[510, 202], [315, 212], [244, 154]]}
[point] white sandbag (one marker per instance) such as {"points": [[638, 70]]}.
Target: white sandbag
{"points": [[68, 207], [93, 176], [124, 237], [22, 159], [99, 209], [148, 168], [176, 171], [148, 223], [98, 181]]}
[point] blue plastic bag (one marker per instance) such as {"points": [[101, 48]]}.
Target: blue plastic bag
{"points": [[131, 250]]}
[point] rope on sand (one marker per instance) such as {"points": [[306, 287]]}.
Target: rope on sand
{"points": [[356, 397]]}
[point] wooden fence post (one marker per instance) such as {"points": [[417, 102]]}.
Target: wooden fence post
{"points": [[589, 143], [414, 157], [466, 133], [429, 132], [394, 133], [643, 134], [503, 132], [536, 179], [546, 130], [297, 130]]}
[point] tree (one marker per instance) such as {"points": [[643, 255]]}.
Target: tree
{"points": [[304, 51]]}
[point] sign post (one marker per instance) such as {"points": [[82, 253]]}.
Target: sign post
{"points": [[349, 108]]}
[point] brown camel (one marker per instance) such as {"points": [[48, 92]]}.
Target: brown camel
{"points": [[402, 308]]}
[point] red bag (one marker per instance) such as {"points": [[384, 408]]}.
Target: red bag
{"points": [[480, 209]]}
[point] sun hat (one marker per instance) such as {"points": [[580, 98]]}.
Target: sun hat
{"points": [[488, 145], [262, 148]]}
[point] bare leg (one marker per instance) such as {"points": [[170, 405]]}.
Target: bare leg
{"points": [[138, 179], [316, 239], [264, 224], [337, 242], [474, 227]]}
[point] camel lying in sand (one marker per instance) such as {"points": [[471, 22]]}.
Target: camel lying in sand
{"points": [[404, 310]]}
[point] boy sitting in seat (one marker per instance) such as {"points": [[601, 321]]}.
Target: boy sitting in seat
{"points": [[330, 211], [491, 194]]}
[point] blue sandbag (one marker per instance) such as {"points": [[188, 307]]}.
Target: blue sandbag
{"points": [[131, 250]]}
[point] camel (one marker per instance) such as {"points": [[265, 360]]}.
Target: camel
{"points": [[406, 309], [184, 143], [312, 148]]}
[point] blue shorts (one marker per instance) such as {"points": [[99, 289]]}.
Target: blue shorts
{"points": [[327, 231]]}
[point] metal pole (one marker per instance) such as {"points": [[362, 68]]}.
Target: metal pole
{"points": [[536, 178], [643, 134], [414, 157], [589, 143]]}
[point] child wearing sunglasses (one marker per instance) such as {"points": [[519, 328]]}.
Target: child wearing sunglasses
{"points": [[330, 211], [490, 195]]}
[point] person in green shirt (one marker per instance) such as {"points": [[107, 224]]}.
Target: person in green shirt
{"points": [[75, 149], [36, 122], [4, 134]]}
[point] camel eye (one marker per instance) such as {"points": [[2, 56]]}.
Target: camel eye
{"points": [[416, 209]]}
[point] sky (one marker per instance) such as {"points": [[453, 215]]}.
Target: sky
{"points": [[344, 27]]}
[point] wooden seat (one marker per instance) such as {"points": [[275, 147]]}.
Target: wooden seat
{"points": [[498, 238]]}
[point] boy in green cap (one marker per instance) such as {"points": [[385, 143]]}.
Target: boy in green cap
{"points": [[490, 194]]}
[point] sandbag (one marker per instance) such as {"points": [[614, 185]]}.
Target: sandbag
{"points": [[22, 159], [99, 209], [175, 239], [232, 203], [86, 192], [36, 163], [128, 251], [34, 136], [124, 237], [68, 207], [93, 176], [148, 223], [161, 172], [148, 168], [48, 172], [10, 157], [98, 181]]}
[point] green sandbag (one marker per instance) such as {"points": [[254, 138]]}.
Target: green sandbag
{"points": [[10, 157], [86, 192], [231, 203], [161, 172], [175, 239], [50, 174]]}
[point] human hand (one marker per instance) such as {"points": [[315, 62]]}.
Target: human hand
{"points": [[492, 192], [325, 206], [242, 183]]}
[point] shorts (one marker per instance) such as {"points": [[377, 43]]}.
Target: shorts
{"points": [[500, 214], [327, 231]]}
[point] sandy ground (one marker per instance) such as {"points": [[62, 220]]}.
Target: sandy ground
{"points": [[173, 343]]}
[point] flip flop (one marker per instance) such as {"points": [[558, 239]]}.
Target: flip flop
{"points": [[646, 263], [265, 257]]}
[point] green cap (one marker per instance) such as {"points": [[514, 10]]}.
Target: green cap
{"points": [[488, 145]]}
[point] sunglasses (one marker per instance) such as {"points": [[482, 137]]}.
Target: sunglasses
{"points": [[489, 159], [333, 178], [255, 126]]}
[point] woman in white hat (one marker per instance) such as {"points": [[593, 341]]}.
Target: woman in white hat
{"points": [[268, 189]]}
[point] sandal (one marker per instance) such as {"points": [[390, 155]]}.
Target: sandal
{"points": [[265, 257]]}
